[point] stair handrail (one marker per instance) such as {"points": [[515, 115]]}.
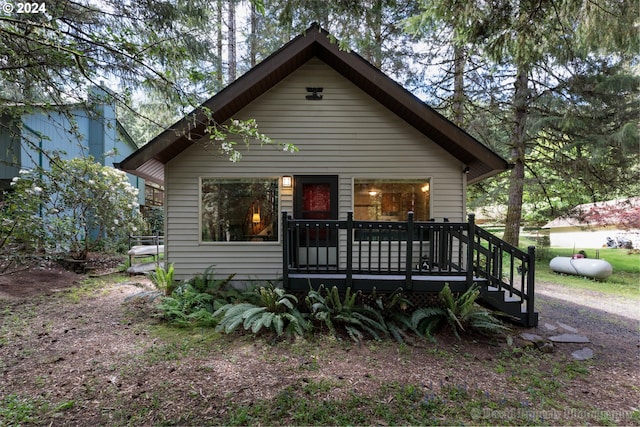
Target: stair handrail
{"points": [[526, 270]]}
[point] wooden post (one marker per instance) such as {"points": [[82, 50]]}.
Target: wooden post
{"points": [[285, 249], [409, 252], [531, 278], [471, 241], [349, 248]]}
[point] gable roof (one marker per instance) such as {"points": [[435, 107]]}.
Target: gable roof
{"points": [[148, 162]]}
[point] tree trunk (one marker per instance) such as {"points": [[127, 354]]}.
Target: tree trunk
{"points": [[253, 38], [459, 62], [518, 147], [219, 45], [231, 46], [375, 23]]}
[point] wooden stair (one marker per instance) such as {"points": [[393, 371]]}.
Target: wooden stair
{"points": [[512, 305]]}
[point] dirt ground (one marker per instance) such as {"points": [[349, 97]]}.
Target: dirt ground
{"points": [[88, 351]]}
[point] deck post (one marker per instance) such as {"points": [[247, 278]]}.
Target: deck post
{"points": [[349, 249], [531, 274], [285, 249], [471, 232], [409, 252]]}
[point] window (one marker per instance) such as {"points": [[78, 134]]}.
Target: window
{"points": [[390, 200], [239, 209], [153, 194]]}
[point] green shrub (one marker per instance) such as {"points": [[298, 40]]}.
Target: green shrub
{"points": [[163, 279], [461, 314], [75, 207], [358, 321], [195, 301], [394, 309], [275, 310]]}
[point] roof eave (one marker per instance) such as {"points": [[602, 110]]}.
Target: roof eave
{"points": [[481, 160]]}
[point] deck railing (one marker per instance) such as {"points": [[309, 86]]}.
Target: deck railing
{"points": [[507, 268], [375, 247], [407, 249]]}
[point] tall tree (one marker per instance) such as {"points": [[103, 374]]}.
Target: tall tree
{"points": [[50, 59], [231, 40], [532, 45], [370, 27]]}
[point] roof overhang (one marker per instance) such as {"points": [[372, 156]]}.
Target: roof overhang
{"points": [[315, 42]]}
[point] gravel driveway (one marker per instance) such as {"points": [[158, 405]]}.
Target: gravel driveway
{"points": [[611, 323]]}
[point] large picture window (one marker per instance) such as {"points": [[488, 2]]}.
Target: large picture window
{"points": [[390, 200], [243, 209]]}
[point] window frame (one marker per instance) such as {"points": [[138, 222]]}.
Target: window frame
{"points": [[277, 222], [379, 236], [413, 180]]}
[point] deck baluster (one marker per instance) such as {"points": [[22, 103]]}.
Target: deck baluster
{"points": [[449, 260], [409, 251], [471, 235]]}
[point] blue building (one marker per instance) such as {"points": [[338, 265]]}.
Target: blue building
{"points": [[29, 140]]}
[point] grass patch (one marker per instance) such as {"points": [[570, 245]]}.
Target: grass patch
{"points": [[16, 410], [311, 403], [90, 286], [176, 343], [624, 281]]}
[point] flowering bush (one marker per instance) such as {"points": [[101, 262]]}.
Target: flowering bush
{"points": [[77, 207]]}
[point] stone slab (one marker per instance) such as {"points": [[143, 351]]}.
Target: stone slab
{"points": [[530, 337], [569, 338], [568, 328], [582, 354]]}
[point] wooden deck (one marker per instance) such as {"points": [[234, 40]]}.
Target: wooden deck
{"points": [[419, 257]]}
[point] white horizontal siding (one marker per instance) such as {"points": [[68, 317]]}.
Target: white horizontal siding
{"points": [[346, 134]]}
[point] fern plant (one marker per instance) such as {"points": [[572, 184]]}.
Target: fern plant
{"points": [[329, 309], [461, 314], [194, 301], [188, 308], [219, 289], [275, 310], [394, 309], [163, 279]]}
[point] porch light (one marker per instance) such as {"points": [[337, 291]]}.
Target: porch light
{"points": [[287, 182], [425, 188]]}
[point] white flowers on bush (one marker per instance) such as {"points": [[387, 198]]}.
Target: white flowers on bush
{"points": [[75, 205]]}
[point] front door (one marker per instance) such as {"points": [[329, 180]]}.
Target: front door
{"points": [[316, 198]]}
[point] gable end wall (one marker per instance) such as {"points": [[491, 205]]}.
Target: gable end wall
{"points": [[347, 133]]}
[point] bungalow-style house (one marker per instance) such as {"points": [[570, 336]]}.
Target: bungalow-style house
{"points": [[597, 225], [70, 132], [374, 196]]}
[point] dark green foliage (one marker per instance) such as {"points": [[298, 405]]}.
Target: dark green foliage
{"points": [[195, 300], [163, 279], [206, 301], [329, 309], [461, 314], [275, 310], [395, 310]]}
